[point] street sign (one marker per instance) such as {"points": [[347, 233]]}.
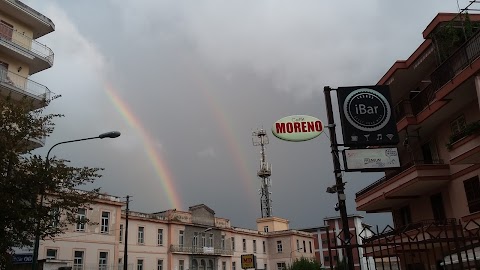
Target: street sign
{"points": [[366, 115], [297, 128], [248, 261], [376, 159]]}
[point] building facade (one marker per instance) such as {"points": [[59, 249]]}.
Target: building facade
{"points": [[21, 55], [435, 195], [173, 239]]}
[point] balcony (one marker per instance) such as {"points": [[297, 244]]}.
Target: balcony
{"points": [[408, 182], [200, 250], [39, 23], [38, 56], [464, 146], [457, 68], [19, 87]]}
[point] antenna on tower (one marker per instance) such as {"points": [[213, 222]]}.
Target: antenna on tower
{"points": [[260, 138]]}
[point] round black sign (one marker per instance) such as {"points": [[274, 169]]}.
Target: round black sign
{"points": [[367, 109]]}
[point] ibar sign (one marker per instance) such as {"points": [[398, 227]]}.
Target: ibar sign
{"points": [[366, 115]]}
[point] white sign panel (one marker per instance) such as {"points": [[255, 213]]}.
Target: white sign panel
{"points": [[380, 158]]}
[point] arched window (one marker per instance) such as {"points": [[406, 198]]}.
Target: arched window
{"points": [[202, 265], [210, 265], [194, 264]]}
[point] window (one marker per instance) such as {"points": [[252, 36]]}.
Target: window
{"points": [[472, 191], [181, 265], [224, 265], [81, 215], [264, 266], [298, 244], [141, 235], [55, 213], [78, 260], [438, 210], [326, 258], [254, 246], [121, 233], [204, 240], [244, 245], [102, 261], [264, 247], [181, 237], [159, 264], [210, 240], [105, 221], [6, 30], [310, 245], [279, 247], [222, 242], [160, 237], [140, 264], [234, 266], [195, 239], [265, 228], [233, 243], [281, 266], [304, 247], [51, 254], [458, 125]]}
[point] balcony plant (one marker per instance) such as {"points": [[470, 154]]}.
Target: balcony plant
{"points": [[449, 37], [470, 129]]}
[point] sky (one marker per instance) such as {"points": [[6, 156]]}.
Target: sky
{"points": [[187, 81]]}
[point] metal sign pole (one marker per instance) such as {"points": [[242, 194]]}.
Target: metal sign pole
{"points": [[340, 186]]}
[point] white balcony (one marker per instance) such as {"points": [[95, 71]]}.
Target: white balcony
{"points": [[19, 87], [19, 46]]}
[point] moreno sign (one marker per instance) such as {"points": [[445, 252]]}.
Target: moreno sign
{"points": [[297, 128]]}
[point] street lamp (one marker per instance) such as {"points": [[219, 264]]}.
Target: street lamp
{"points": [[291, 260], [111, 134]]}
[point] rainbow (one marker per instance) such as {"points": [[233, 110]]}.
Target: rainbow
{"points": [[158, 162], [247, 175]]}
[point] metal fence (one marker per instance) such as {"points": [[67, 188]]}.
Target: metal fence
{"points": [[424, 245]]}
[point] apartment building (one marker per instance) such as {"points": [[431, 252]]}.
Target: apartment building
{"points": [[434, 196], [172, 239], [21, 55]]}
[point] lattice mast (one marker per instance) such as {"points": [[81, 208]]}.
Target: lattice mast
{"points": [[260, 138]]}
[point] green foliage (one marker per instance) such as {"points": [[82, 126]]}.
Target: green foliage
{"points": [[305, 264], [470, 129], [450, 37], [23, 177]]}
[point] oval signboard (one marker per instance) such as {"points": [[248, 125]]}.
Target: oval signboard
{"points": [[297, 128]]}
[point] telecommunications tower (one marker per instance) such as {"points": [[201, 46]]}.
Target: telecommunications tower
{"points": [[260, 138]]}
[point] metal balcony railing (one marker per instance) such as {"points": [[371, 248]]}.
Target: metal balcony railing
{"points": [[200, 250], [389, 175], [447, 70], [9, 34], [22, 84]]}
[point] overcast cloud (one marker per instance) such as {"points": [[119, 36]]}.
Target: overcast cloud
{"points": [[201, 75]]}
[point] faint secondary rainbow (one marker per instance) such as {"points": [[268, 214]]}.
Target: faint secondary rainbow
{"points": [[158, 162], [247, 175]]}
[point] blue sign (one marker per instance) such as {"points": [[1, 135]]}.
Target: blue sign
{"points": [[22, 258]]}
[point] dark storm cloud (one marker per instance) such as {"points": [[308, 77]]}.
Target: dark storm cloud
{"points": [[201, 75]]}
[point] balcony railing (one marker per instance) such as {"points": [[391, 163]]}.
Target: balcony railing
{"points": [[11, 35], [447, 70], [391, 174], [22, 84], [200, 250]]}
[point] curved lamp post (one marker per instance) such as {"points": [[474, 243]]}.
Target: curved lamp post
{"points": [[111, 134]]}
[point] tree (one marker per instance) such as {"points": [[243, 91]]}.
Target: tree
{"points": [[24, 179], [305, 264]]}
